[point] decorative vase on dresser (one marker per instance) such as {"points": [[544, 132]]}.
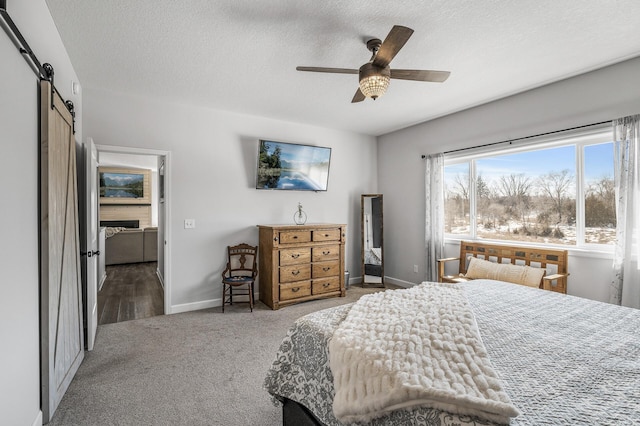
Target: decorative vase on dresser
{"points": [[301, 262]]}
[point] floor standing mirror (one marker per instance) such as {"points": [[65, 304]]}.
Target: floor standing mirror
{"points": [[372, 241]]}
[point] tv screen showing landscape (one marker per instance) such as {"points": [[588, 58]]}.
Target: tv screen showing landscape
{"points": [[290, 166], [121, 185]]}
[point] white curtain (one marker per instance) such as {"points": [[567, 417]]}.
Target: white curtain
{"points": [[434, 213], [625, 287]]}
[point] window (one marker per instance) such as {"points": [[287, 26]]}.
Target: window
{"points": [[554, 191], [457, 215], [599, 194]]}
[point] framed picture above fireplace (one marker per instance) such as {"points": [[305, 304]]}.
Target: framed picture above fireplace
{"points": [[124, 186]]}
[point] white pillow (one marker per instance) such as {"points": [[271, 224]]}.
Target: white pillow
{"points": [[517, 274], [480, 269]]}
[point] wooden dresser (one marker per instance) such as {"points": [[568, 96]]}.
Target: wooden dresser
{"points": [[301, 262]]}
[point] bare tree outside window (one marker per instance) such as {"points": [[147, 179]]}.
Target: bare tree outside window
{"points": [[515, 193], [600, 196], [456, 206], [559, 189], [523, 197], [531, 196]]}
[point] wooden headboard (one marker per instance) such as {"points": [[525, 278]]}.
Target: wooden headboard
{"points": [[553, 260]]}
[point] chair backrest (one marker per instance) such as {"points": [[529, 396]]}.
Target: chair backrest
{"points": [[554, 260], [242, 260]]}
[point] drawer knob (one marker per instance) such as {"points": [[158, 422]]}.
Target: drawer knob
{"points": [[295, 273], [326, 284], [326, 252], [326, 268], [295, 289], [295, 237], [326, 235], [295, 256]]}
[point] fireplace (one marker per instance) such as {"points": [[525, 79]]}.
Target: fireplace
{"points": [[120, 223]]}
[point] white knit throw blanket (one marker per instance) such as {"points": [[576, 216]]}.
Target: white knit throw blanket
{"points": [[419, 346]]}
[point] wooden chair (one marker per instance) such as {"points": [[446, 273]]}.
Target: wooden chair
{"points": [[241, 270], [554, 259]]}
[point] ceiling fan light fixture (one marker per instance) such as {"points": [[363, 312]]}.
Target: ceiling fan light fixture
{"points": [[375, 75], [374, 80]]}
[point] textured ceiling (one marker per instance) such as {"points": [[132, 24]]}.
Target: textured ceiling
{"points": [[240, 55]]}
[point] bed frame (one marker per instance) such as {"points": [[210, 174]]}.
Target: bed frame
{"points": [[295, 414], [548, 258]]}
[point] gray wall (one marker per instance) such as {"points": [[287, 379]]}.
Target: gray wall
{"points": [[593, 97], [19, 312], [213, 161], [212, 180]]}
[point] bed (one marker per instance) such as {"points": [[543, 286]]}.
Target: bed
{"points": [[560, 359]]}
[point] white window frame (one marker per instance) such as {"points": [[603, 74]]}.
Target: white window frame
{"points": [[579, 138]]}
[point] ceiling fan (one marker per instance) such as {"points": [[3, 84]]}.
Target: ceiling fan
{"points": [[374, 76]]}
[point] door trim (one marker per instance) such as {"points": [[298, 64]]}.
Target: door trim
{"points": [[167, 206], [92, 239]]}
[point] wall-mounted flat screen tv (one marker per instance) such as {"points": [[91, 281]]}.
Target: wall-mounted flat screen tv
{"points": [[291, 166], [124, 186], [127, 185]]}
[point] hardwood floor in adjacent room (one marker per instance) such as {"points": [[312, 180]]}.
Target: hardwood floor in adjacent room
{"points": [[130, 292]]}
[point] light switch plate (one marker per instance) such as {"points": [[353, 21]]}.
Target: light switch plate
{"points": [[189, 223]]}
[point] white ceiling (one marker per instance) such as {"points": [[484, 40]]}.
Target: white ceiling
{"points": [[240, 55]]}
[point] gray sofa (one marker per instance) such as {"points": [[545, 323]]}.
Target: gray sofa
{"points": [[132, 245], [150, 245]]}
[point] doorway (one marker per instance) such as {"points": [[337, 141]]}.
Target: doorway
{"points": [[140, 288]]}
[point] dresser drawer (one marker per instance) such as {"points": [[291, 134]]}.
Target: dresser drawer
{"points": [[322, 253], [325, 285], [288, 237], [332, 234], [326, 269], [291, 273], [298, 263], [295, 290], [295, 255]]}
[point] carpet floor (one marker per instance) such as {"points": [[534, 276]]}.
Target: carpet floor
{"points": [[194, 368]]}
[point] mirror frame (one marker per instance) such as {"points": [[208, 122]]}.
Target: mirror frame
{"points": [[363, 197]]}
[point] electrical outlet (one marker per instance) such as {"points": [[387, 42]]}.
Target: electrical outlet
{"points": [[415, 269], [189, 223]]}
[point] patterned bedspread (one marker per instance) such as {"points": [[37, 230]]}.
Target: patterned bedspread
{"points": [[562, 359]]}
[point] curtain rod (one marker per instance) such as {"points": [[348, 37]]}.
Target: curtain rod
{"points": [[523, 138]]}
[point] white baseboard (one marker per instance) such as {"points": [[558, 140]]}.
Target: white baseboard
{"points": [[160, 278], [387, 280], [38, 420], [401, 283], [195, 306], [204, 304], [214, 303]]}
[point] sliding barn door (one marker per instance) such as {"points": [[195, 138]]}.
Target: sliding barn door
{"points": [[61, 330]]}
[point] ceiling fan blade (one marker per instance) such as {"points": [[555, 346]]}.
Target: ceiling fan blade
{"points": [[391, 45], [330, 70], [358, 97], [421, 75]]}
